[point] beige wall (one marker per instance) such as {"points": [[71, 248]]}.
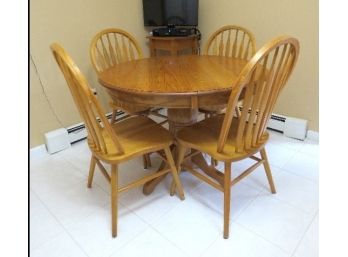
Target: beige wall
{"points": [[73, 23], [270, 18]]}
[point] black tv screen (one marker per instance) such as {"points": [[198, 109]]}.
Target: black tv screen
{"points": [[170, 12]]}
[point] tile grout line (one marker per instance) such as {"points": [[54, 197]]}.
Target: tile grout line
{"points": [[291, 158], [68, 233], [210, 246], [267, 240], [151, 225], [304, 234], [125, 244], [131, 240], [298, 151], [302, 177], [236, 221], [182, 250], [291, 149], [248, 204], [130, 210], [293, 206], [288, 204], [298, 176], [64, 229]]}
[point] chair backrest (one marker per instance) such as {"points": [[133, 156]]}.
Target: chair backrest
{"points": [[231, 41], [262, 78], [89, 108], [112, 46]]}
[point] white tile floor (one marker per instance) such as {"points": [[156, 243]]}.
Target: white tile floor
{"points": [[68, 219]]}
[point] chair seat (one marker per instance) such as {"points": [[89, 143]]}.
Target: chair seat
{"points": [[138, 135], [203, 136]]}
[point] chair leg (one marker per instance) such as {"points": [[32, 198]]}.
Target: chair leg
{"points": [[213, 162], [113, 117], [145, 161], [268, 170], [227, 198], [181, 154], [91, 171], [114, 195], [174, 172], [148, 160]]}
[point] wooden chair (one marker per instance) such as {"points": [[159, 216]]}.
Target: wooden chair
{"points": [[230, 41], [228, 138], [108, 48], [118, 142]]}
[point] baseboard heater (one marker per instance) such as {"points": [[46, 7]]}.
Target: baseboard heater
{"points": [[289, 126], [78, 132], [63, 138], [277, 123]]}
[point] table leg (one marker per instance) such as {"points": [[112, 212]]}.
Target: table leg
{"points": [[151, 185], [177, 118]]}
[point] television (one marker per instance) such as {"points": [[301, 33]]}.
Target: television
{"points": [[170, 13]]}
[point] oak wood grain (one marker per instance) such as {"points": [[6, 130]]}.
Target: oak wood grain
{"points": [[228, 138], [114, 143], [173, 44], [174, 75]]}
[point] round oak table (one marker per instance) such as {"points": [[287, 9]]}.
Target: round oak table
{"points": [[180, 83]]}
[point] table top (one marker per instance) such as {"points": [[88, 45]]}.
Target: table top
{"points": [[173, 75]]}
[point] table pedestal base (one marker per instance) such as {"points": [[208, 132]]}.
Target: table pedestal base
{"points": [[177, 119]]}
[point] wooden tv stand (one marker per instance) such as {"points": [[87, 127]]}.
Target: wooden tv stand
{"points": [[173, 44]]}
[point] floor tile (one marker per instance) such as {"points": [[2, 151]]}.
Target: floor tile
{"points": [[43, 226], [241, 196], [278, 155], [149, 244], [188, 181], [79, 156], [93, 234], [150, 207], [191, 226], [54, 176], [257, 178], [243, 243], [68, 219], [34, 201], [279, 139], [303, 165], [309, 245], [128, 171], [296, 191], [312, 148], [60, 246], [72, 205], [276, 221]]}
